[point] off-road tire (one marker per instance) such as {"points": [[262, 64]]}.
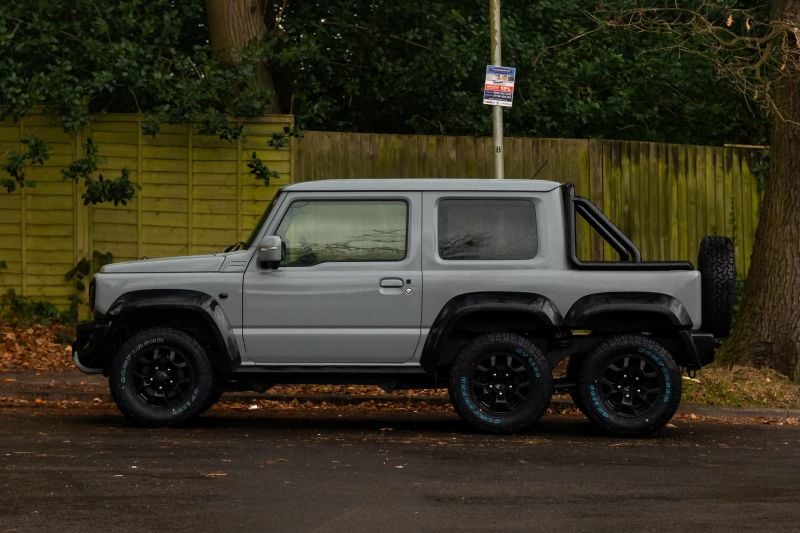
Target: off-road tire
{"points": [[718, 272], [635, 366], [512, 399], [168, 358], [212, 399]]}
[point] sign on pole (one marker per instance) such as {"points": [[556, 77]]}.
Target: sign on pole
{"points": [[498, 89]]}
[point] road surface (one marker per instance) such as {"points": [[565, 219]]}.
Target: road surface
{"points": [[361, 470]]}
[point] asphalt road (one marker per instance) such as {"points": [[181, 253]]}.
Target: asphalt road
{"points": [[310, 470]]}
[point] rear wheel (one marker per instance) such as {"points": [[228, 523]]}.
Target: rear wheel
{"points": [[629, 386], [500, 383], [161, 377]]}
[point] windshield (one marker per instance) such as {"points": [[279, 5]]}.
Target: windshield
{"points": [[263, 218]]}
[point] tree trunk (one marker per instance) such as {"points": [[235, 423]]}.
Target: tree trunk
{"points": [[767, 331], [232, 24]]}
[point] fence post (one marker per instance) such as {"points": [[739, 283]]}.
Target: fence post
{"points": [[23, 223], [82, 222]]}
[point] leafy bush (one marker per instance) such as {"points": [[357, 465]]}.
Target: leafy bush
{"points": [[18, 310]]}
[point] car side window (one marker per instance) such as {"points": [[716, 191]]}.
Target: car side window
{"points": [[323, 231], [485, 229]]}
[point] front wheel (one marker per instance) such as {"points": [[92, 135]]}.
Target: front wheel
{"points": [[500, 383], [161, 377], [629, 386]]}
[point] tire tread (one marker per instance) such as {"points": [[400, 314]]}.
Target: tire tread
{"points": [[473, 349], [135, 413], [718, 276], [614, 426]]}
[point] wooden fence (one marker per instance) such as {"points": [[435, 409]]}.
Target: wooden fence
{"points": [[196, 196], [666, 197]]}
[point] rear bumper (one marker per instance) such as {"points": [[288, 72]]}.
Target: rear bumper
{"points": [[700, 348], [88, 348]]}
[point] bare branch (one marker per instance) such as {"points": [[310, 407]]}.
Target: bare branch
{"points": [[749, 49]]}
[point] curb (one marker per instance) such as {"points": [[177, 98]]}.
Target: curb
{"points": [[738, 412]]}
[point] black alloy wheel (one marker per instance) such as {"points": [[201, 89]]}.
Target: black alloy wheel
{"points": [[162, 377], [500, 383], [629, 385]]}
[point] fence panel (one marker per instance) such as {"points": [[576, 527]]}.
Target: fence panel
{"points": [[196, 196], [666, 197]]}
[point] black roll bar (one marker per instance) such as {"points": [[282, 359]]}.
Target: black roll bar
{"points": [[630, 257]]}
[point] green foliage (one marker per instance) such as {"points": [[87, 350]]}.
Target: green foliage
{"points": [[23, 311], [37, 153], [119, 190], [231, 132], [418, 67], [83, 57], [260, 171], [380, 66], [84, 269], [98, 190], [281, 140], [278, 141]]}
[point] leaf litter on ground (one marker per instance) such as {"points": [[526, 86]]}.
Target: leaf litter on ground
{"points": [[44, 348]]}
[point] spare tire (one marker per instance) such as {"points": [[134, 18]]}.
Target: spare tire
{"points": [[718, 274]]}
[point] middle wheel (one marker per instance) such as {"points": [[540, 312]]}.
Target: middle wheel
{"points": [[500, 383]]}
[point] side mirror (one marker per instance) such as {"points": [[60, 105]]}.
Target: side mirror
{"points": [[270, 252]]}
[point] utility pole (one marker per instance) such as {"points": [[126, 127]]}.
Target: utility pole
{"points": [[497, 111]]}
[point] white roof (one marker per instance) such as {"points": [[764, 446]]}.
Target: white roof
{"points": [[425, 185]]}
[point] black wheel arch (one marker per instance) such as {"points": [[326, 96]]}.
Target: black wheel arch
{"points": [[467, 315], [661, 315], [639, 310], [191, 311]]}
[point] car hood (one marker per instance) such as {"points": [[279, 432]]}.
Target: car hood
{"points": [[192, 263]]}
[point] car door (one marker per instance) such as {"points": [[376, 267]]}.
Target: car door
{"points": [[349, 290]]}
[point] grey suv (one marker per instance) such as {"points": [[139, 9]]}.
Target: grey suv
{"points": [[470, 284]]}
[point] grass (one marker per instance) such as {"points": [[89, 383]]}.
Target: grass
{"points": [[741, 386]]}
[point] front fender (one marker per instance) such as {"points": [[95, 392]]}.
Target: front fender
{"points": [[181, 300]]}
